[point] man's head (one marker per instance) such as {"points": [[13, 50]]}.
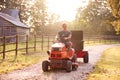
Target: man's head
{"points": [[64, 26]]}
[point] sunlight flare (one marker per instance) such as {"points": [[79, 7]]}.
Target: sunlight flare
{"points": [[66, 9]]}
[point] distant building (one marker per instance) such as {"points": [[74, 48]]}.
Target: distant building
{"points": [[11, 25]]}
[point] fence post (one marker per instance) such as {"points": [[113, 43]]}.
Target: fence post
{"points": [[48, 42], [94, 40], [42, 42], [105, 40], [34, 42], [4, 46], [88, 40], [16, 50], [26, 44], [99, 39]]}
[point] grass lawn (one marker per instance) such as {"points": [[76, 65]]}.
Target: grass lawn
{"points": [[23, 60], [108, 68]]}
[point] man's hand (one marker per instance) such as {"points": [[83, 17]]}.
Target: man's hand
{"points": [[66, 38]]}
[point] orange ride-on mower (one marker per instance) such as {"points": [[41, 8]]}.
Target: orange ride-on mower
{"points": [[59, 58]]}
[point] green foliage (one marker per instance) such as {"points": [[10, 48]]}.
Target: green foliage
{"points": [[115, 9], [95, 17], [10, 4], [38, 15]]}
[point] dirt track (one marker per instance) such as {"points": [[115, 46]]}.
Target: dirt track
{"points": [[35, 72]]}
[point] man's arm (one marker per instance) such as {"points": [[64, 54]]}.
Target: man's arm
{"points": [[69, 36], [57, 37]]}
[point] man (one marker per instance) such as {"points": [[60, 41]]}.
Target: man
{"points": [[64, 36]]}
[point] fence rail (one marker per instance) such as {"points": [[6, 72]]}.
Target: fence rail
{"points": [[4, 44], [44, 42]]}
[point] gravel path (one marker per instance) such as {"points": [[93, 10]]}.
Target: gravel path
{"points": [[35, 72]]}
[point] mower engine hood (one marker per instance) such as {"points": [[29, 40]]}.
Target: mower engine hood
{"points": [[58, 45]]}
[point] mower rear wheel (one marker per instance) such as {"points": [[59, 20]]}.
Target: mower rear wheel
{"points": [[86, 58], [69, 66], [45, 65]]}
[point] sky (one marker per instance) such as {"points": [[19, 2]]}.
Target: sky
{"points": [[66, 9]]}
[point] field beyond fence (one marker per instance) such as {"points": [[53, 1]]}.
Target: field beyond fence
{"points": [[43, 42]]}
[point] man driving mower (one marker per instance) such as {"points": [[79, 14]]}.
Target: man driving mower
{"points": [[61, 55], [64, 36]]}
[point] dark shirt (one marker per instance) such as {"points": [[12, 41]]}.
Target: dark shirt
{"points": [[63, 34]]}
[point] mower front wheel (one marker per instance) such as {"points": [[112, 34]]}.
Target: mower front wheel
{"points": [[45, 65], [74, 58], [69, 66]]}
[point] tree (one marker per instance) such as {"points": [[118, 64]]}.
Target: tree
{"points": [[94, 18], [52, 18], [38, 15], [115, 9], [10, 4]]}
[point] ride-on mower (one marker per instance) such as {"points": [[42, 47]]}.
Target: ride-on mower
{"points": [[60, 58]]}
